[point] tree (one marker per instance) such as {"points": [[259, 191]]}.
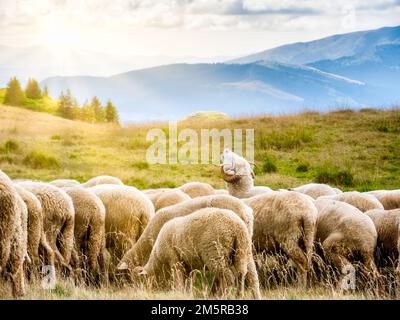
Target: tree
{"points": [[111, 113], [87, 113], [46, 91], [14, 94], [98, 109], [32, 90], [68, 106]]}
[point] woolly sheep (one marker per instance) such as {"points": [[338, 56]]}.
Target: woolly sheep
{"points": [[102, 180], [89, 229], [237, 173], [58, 219], [387, 223], [211, 238], [166, 198], [62, 183], [221, 191], [315, 190], [283, 220], [343, 230], [389, 199], [197, 189], [140, 252], [128, 211], [361, 201], [13, 237]]}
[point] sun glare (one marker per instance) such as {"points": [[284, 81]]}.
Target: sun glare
{"points": [[59, 33]]}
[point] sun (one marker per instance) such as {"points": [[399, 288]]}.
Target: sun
{"points": [[60, 33]]}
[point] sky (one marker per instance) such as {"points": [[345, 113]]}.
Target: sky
{"points": [[200, 28]]}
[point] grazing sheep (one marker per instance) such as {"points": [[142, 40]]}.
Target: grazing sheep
{"points": [[58, 219], [128, 211], [197, 189], [344, 232], [102, 180], [211, 238], [221, 191], [140, 252], [361, 201], [237, 173], [389, 199], [387, 223], [13, 236], [315, 190], [285, 223], [166, 198], [89, 229], [62, 183]]}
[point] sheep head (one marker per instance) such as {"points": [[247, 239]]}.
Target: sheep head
{"points": [[234, 167]]}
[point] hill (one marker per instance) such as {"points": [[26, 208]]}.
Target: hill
{"points": [[349, 149]]}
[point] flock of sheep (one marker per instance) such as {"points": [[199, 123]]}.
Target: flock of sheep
{"points": [[102, 230]]}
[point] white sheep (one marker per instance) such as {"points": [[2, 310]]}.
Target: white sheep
{"points": [[62, 183], [166, 198], [211, 238], [361, 201], [197, 189], [102, 180], [316, 190]]}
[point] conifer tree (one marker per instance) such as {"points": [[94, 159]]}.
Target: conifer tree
{"points": [[111, 113], [32, 90], [14, 94]]}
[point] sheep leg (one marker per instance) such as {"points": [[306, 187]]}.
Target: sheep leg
{"points": [[18, 282], [370, 265], [298, 256], [67, 239], [252, 278], [46, 250]]}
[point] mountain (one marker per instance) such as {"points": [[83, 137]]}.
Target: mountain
{"points": [[42, 62], [174, 91], [330, 48]]}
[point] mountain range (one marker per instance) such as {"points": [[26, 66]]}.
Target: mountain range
{"points": [[350, 70]]}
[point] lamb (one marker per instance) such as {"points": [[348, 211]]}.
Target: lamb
{"points": [[102, 180], [197, 189], [89, 229], [140, 252], [389, 199], [58, 220], [237, 173], [128, 211], [361, 201], [316, 190], [13, 236], [211, 238], [285, 222], [387, 223], [167, 198], [343, 231], [62, 183]]}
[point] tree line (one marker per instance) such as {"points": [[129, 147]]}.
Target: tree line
{"points": [[67, 107]]}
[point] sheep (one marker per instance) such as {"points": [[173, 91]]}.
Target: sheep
{"points": [[128, 211], [361, 201], [89, 230], [316, 190], [140, 252], [221, 191], [211, 238], [387, 223], [167, 198], [285, 223], [197, 189], [58, 220], [389, 199], [239, 177], [343, 231], [102, 180], [13, 236], [62, 183]]}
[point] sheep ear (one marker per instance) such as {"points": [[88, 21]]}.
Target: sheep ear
{"points": [[122, 266]]}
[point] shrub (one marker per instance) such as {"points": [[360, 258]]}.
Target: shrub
{"points": [[302, 167], [335, 176], [40, 160], [267, 166]]}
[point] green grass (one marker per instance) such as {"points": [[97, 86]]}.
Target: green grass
{"points": [[346, 149]]}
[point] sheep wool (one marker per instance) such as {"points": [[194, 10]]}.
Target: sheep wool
{"points": [[128, 211], [211, 238], [361, 201], [389, 199], [102, 180], [140, 252], [316, 190], [197, 189], [166, 198], [283, 220], [62, 183]]}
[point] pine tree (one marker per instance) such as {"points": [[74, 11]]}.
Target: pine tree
{"points": [[98, 109], [111, 113], [46, 91], [14, 94], [87, 113], [68, 106], [32, 90]]}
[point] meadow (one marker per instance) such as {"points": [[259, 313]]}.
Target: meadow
{"points": [[352, 150]]}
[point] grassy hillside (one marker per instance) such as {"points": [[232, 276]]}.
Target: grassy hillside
{"points": [[351, 150]]}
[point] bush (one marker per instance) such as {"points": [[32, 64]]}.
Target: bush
{"points": [[302, 167], [335, 176], [11, 146], [268, 166], [40, 160]]}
